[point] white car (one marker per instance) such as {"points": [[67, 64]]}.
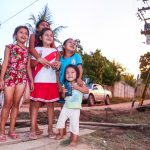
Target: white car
{"points": [[97, 94]]}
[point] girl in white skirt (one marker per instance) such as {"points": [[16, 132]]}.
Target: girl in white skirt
{"points": [[72, 106]]}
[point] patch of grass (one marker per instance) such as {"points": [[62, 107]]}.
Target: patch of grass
{"points": [[92, 141], [136, 117], [133, 134], [65, 142], [116, 117], [117, 139]]}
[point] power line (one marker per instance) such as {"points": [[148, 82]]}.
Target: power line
{"points": [[18, 13]]}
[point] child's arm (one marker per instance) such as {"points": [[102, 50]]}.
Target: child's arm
{"points": [[58, 56], [33, 52], [4, 67], [56, 64], [63, 92], [79, 80], [58, 81], [84, 89], [29, 71], [33, 63]]}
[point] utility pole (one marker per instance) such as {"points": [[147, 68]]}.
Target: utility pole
{"points": [[145, 87], [141, 12], [141, 15]]}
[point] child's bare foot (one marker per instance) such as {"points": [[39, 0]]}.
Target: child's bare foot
{"points": [[73, 144], [73, 139], [59, 137], [64, 131]]}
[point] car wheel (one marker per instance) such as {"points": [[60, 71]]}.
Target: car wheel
{"points": [[107, 100], [91, 100]]}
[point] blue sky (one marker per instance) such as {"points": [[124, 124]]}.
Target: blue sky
{"points": [[109, 25]]}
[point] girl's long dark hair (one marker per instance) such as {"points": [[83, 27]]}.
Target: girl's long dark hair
{"points": [[37, 34], [39, 22], [18, 28], [63, 52]]}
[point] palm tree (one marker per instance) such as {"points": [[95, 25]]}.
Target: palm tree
{"points": [[79, 47], [46, 15]]}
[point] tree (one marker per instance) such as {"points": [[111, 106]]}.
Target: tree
{"points": [[144, 65], [93, 66], [129, 79], [114, 71], [110, 73], [79, 47], [46, 15], [98, 69]]}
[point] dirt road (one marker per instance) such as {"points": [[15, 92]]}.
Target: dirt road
{"points": [[121, 106]]}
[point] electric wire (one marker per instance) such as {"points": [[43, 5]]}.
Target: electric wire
{"points": [[18, 13]]}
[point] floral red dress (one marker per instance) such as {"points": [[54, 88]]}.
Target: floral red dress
{"points": [[16, 72]]}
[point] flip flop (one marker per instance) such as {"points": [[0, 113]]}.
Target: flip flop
{"points": [[39, 132], [32, 136], [51, 135], [14, 135], [2, 137]]}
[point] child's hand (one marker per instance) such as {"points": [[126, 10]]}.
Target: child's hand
{"points": [[44, 62], [60, 88], [2, 84], [63, 91], [32, 86], [53, 65], [56, 65], [80, 82], [75, 86]]}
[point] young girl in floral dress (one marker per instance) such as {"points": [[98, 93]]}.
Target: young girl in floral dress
{"points": [[13, 79]]}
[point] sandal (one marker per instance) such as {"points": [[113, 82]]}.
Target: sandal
{"points": [[14, 135], [51, 135], [2, 137], [39, 132], [32, 136]]}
